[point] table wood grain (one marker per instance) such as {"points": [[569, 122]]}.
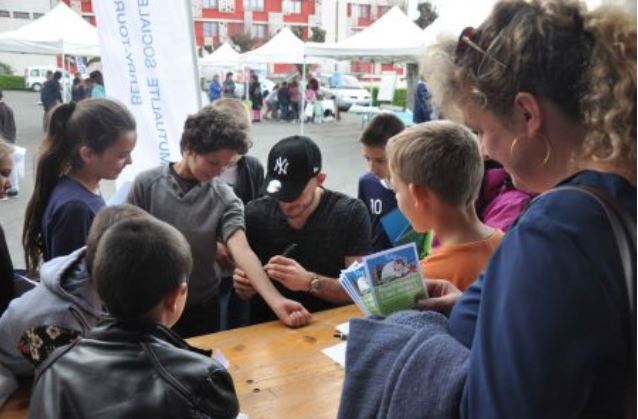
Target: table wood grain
{"points": [[278, 372]]}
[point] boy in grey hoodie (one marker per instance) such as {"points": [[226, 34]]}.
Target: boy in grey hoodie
{"points": [[62, 306]]}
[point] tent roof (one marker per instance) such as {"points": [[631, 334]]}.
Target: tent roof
{"points": [[283, 48], [393, 37], [454, 16], [61, 31], [224, 56]]}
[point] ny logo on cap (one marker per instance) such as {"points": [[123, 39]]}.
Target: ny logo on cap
{"points": [[281, 166]]}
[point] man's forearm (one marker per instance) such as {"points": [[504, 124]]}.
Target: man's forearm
{"points": [[247, 261]]}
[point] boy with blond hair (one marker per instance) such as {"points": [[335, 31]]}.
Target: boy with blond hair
{"points": [[436, 170]]}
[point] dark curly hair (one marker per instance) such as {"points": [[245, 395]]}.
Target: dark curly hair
{"points": [[383, 127], [211, 130]]}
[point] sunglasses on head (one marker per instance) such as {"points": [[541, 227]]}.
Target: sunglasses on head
{"points": [[467, 40]]}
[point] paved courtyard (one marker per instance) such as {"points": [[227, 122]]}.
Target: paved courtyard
{"points": [[342, 160]]}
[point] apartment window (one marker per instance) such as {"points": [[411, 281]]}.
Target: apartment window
{"points": [[5, 13], [292, 7], [21, 15], [254, 5], [210, 4], [37, 15], [364, 11], [211, 29], [258, 31]]}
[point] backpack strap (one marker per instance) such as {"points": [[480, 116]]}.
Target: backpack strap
{"points": [[623, 227]]}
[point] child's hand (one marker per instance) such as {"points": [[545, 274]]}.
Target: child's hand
{"points": [[242, 285], [442, 296], [291, 313]]}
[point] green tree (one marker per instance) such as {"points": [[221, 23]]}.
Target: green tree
{"points": [[243, 40], [93, 60], [318, 35], [427, 15], [297, 30], [5, 68]]}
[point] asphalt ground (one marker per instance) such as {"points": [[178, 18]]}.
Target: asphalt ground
{"points": [[338, 140]]}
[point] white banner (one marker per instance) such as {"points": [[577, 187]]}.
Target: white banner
{"points": [[149, 64]]}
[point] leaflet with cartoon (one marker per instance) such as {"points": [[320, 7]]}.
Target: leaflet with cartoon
{"points": [[385, 282]]}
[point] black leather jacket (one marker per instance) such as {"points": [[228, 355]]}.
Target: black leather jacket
{"points": [[132, 371]]}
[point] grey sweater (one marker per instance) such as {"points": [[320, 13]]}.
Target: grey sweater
{"points": [[64, 297], [406, 366], [207, 213]]}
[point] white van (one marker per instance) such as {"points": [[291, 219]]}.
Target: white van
{"points": [[35, 76]]}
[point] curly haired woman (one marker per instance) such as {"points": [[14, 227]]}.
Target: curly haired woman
{"points": [[550, 88]]}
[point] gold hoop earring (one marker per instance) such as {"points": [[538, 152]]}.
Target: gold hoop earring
{"points": [[548, 151]]}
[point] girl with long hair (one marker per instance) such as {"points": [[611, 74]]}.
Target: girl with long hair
{"points": [[84, 143]]}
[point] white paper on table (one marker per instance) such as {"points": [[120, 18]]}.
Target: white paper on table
{"points": [[337, 353], [344, 328]]}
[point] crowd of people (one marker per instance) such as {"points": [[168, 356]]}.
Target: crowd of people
{"points": [[282, 103], [527, 314]]}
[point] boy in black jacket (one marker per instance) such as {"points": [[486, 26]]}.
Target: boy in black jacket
{"points": [[133, 365]]}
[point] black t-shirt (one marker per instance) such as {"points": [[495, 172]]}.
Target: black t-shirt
{"points": [[339, 227]]}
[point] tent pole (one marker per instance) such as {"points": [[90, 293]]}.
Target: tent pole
{"points": [[302, 113], [64, 98], [247, 85], [372, 87], [191, 35]]}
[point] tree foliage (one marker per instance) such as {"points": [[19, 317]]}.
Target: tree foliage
{"points": [[244, 41], [318, 35], [298, 31], [5, 68], [427, 15]]}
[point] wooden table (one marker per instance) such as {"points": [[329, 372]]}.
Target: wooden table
{"points": [[281, 372], [278, 372]]}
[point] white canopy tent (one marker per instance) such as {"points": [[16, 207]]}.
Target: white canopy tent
{"points": [[222, 59], [224, 56], [284, 48], [393, 37], [61, 31]]}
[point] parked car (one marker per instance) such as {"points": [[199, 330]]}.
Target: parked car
{"points": [[35, 76], [347, 92]]}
